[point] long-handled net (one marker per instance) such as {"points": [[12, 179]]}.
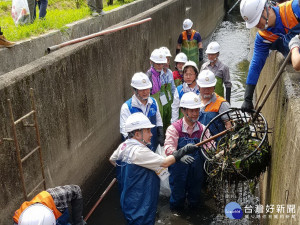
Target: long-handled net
{"points": [[238, 156]]}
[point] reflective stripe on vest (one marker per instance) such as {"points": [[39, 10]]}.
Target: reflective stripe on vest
{"points": [[43, 198], [184, 35], [215, 106], [288, 20]]}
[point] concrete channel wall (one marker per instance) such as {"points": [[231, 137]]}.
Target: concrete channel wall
{"points": [[280, 185], [78, 94]]}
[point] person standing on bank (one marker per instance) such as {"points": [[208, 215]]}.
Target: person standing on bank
{"points": [[42, 4], [4, 42], [187, 175], [220, 70], [50, 207], [142, 102], [190, 74], [190, 43], [179, 60], [278, 25], [96, 7], [211, 103], [139, 171], [162, 84]]}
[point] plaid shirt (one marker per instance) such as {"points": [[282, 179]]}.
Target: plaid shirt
{"points": [[64, 195]]}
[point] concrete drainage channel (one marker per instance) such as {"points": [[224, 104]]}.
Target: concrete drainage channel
{"points": [[230, 34]]}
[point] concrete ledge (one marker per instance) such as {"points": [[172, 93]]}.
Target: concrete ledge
{"points": [[281, 184], [27, 51]]}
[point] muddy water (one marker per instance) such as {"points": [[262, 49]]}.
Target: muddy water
{"points": [[234, 40]]}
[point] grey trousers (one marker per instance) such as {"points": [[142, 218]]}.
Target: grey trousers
{"points": [[31, 5], [95, 5]]}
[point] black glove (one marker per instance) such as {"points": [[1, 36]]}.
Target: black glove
{"points": [[188, 149], [160, 136], [177, 51], [228, 94], [248, 104], [200, 54], [77, 206]]}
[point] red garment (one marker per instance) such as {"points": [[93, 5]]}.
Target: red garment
{"points": [[176, 75]]}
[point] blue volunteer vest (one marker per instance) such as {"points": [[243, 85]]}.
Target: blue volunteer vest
{"points": [[152, 117]]}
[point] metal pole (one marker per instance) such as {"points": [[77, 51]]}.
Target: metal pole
{"points": [[233, 6], [263, 90], [100, 199], [56, 47], [37, 136], [272, 86]]}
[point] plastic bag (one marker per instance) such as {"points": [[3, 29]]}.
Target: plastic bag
{"points": [[20, 12], [164, 185]]}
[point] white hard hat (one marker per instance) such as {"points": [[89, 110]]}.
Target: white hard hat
{"points": [[190, 100], [137, 121], [158, 56], [187, 24], [213, 48], [251, 11], [181, 57], [206, 78], [191, 63], [166, 51], [140, 81], [37, 214]]}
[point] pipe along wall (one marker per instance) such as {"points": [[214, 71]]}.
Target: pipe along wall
{"points": [[79, 91]]}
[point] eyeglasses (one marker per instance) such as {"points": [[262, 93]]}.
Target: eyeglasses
{"points": [[189, 74]]}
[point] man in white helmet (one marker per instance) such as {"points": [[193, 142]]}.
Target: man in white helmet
{"points": [[211, 103], [139, 170], [186, 175], [179, 60], [50, 207], [190, 74], [163, 86], [142, 102], [220, 70], [277, 24], [190, 42]]}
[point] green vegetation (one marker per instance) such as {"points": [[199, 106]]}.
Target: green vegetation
{"points": [[59, 14]]}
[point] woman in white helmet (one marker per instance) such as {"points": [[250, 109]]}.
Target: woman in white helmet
{"points": [[139, 170], [142, 102], [220, 70], [190, 42], [187, 175], [190, 74], [50, 207], [179, 60], [278, 25], [211, 103], [163, 86]]}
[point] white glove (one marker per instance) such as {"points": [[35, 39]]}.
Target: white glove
{"points": [[187, 159], [294, 42]]}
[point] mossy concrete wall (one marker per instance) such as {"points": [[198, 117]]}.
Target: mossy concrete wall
{"points": [[280, 185], [79, 91]]}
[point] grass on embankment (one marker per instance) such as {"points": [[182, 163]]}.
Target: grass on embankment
{"points": [[59, 14]]}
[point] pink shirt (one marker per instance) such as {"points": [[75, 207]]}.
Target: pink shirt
{"points": [[172, 136]]}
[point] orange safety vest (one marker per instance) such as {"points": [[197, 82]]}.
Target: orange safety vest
{"points": [[215, 106], [44, 198], [184, 35], [288, 20]]}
